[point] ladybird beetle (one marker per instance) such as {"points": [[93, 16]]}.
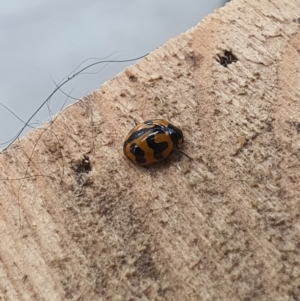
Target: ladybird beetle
{"points": [[152, 141]]}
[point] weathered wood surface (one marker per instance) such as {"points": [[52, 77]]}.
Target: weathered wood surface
{"points": [[79, 222]]}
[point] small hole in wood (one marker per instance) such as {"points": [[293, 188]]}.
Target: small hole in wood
{"points": [[132, 78], [84, 166], [226, 58], [297, 20]]}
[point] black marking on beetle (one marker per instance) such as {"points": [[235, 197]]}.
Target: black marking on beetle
{"points": [[175, 134], [158, 148], [138, 154], [137, 134], [148, 135]]}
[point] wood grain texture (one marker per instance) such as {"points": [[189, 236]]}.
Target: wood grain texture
{"points": [[80, 222]]}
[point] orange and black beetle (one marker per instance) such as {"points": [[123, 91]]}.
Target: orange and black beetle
{"points": [[152, 141]]}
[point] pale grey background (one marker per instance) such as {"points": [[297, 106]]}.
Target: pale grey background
{"points": [[41, 40]]}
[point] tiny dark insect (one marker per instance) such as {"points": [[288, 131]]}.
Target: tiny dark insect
{"points": [[152, 141]]}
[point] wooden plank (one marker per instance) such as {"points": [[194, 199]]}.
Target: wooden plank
{"points": [[80, 222]]}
